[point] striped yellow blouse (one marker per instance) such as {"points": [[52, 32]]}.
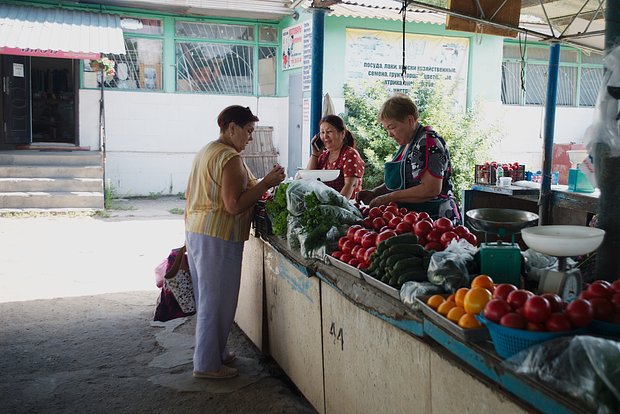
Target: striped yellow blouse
{"points": [[204, 208]]}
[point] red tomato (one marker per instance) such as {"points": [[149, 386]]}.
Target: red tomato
{"points": [[403, 227], [357, 238], [536, 309], [557, 322], [367, 223], [392, 209], [422, 228], [518, 298], [352, 230], [603, 309], [348, 246], [387, 216], [382, 207], [536, 327], [360, 254], [443, 224], [374, 212], [471, 238], [584, 295], [377, 223], [411, 217], [434, 236], [341, 242], [354, 250], [615, 299], [579, 313], [495, 309], [364, 211], [447, 237], [513, 320], [363, 265], [336, 254], [369, 239], [600, 289], [346, 257], [616, 285], [556, 303], [433, 246], [502, 290], [423, 215], [384, 228], [353, 262], [384, 235], [392, 204], [369, 252], [403, 211], [461, 231], [394, 222], [421, 240]]}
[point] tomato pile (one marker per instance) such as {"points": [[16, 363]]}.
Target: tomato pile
{"points": [[605, 300], [521, 309], [433, 235], [358, 244]]}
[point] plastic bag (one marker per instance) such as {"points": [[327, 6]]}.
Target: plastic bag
{"points": [[605, 128], [293, 232], [297, 191], [450, 268], [584, 367], [410, 290], [160, 272]]}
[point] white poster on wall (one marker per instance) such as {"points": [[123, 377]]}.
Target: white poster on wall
{"points": [[373, 55], [305, 134], [292, 47], [307, 65]]}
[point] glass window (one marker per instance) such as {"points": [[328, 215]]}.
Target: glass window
{"points": [[511, 51], [215, 31], [537, 53], [142, 26], [267, 62], [569, 56], [215, 68], [511, 83], [268, 34], [591, 82], [592, 58], [536, 84], [138, 68], [567, 86]]}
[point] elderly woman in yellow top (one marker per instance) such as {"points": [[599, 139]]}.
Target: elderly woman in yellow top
{"points": [[221, 193]]}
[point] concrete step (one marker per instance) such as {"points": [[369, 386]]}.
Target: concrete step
{"points": [[64, 158], [50, 171], [51, 199], [50, 184]]}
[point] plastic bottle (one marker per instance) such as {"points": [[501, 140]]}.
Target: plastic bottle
{"points": [[499, 173]]}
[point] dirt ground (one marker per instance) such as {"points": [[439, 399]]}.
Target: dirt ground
{"points": [[77, 296]]}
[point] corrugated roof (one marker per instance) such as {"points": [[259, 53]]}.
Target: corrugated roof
{"points": [[60, 29], [381, 9]]}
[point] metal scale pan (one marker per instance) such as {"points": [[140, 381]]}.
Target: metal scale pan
{"points": [[501, 221], [502, 261]]}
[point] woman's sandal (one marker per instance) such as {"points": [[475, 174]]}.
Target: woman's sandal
{"points": [[230, 358], [223, 373]]}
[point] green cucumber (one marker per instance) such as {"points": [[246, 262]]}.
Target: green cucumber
{"points": [[405, 238], [417, 275], [391, 261], [404, 265], [413, 249]]}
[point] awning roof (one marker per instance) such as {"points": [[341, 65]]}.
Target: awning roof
{"points": [[59, 29]]}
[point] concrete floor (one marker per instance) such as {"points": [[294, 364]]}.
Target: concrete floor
{"points": [[77, 296]]}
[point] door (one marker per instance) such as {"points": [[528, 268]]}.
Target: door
{"points": [[16, 119], [295, 103]]}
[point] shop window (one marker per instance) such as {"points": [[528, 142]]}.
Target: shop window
{"points": [[214, 31], [215, 68], [142, 26], [579, 76], [267, 61], [139, 68]]}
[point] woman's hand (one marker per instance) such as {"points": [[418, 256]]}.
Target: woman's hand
{"points": [[379, 201], [316, 145], [365, 196], [275, 176]]}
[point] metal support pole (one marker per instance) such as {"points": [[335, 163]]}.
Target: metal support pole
{"points": [[607, 173], [316, 82], [544, 203]]}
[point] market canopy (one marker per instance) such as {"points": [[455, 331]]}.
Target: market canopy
{"points": [[57, 32]]}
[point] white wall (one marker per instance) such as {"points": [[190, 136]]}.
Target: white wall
{"points": [[151, 138]]}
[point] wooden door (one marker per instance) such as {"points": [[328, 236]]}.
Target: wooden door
{"points": [[16, 110]]}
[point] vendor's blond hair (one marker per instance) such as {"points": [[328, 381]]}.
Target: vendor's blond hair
{"points": [[398, 107]]}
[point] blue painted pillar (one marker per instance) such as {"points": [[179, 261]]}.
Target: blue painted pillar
{"points": [[607, 173], [544, 204], [316, 82]]}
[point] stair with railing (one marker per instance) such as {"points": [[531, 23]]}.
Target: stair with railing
{"points": [[40, 179]]}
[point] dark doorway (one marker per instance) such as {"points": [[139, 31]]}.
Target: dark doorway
{"points": [[53, 100]]}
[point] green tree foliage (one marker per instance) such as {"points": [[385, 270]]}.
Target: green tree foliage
{"points": [[467, 136]]}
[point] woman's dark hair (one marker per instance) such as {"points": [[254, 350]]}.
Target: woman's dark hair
{"points": [[240, 115], [338, 123]]}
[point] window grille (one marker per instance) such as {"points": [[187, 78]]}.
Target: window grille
{"points": [[214, 31]]}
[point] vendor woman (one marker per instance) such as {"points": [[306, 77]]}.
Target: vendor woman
{"points": [[419, 175], [333, 148]]}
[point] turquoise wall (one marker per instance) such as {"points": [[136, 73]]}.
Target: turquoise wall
{"points": [[485, 54]]}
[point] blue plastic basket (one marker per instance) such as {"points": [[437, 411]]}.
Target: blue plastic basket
{"points": [[509, 341], [605, 328]]}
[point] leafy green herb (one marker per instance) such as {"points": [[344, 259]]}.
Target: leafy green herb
{"points": [[277, 210]]}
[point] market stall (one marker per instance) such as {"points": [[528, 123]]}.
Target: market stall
{"points": [[352, 343]]}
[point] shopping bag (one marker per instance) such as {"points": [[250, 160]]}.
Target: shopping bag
{"points": [[179, 281]]}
